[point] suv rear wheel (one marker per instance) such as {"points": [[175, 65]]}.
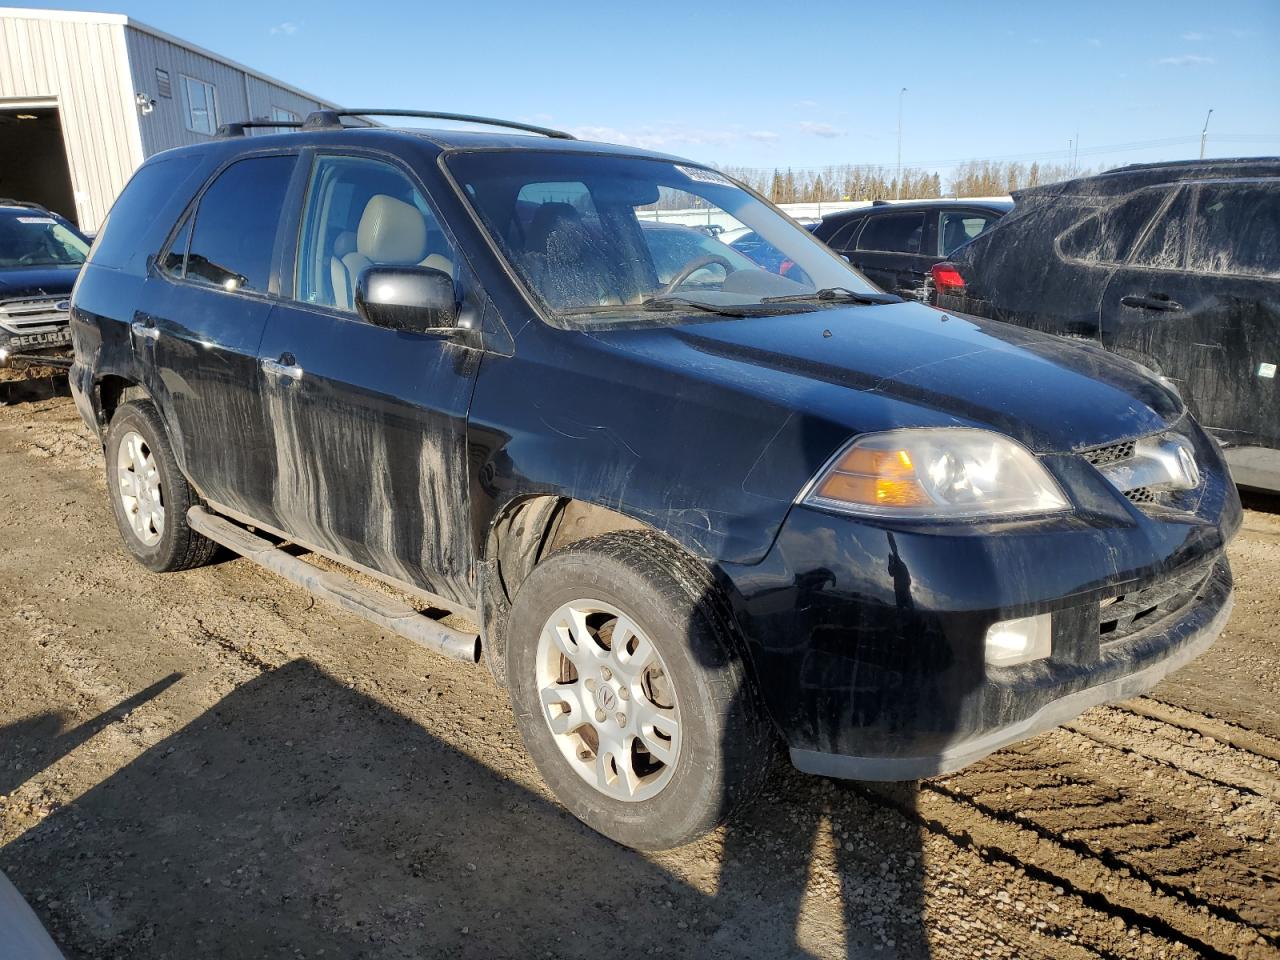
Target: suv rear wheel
{"points": [[149, 495], [630, 693]]}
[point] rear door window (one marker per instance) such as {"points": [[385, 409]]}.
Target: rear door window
{"points": [[958, 227], [893, 233], [1236, 230], [234, 235]]}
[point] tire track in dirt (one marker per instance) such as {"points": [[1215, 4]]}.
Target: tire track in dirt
{"points": [[1127, 825]]}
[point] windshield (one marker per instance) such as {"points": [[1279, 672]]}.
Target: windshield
{"points": [[602, 237], [38, 240]]}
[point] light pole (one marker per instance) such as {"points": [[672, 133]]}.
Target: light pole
{"points": [[1204, 134], [898, 192]]}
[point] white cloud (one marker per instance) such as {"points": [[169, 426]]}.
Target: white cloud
{"points": [[1193, 36], [821, 129], [288, 28], [807, 104], [1186, 60], [1095, 42], [765, 136]]}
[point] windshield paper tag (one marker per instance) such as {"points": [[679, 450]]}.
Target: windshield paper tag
{"points": [[36, 220], [703, 176]]}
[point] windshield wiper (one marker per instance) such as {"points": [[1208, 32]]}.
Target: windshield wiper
{"points": [[836, 295], [724, 310]]}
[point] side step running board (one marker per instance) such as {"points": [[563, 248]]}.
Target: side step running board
{"points": [[385, 611]]}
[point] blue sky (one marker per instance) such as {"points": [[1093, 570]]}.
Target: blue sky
{"points": [[790, 84]]}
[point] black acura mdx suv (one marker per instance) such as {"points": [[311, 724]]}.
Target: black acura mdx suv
{"points": [[691, 514]]}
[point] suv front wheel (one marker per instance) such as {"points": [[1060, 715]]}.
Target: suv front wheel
{"points": [[149, 495], [630, 693]]}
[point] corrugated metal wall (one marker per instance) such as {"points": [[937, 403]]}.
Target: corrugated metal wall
{"points": [[92, 66], [81, 66], [240, 95]]}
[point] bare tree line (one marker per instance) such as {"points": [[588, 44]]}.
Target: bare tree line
{"points": [[975, 178]]}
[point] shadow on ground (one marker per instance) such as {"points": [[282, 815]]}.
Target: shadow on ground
{"points": [[299, 817]]}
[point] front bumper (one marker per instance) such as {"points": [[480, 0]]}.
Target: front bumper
{"points": [[867, 639], [36, 347], [1151, 656]]}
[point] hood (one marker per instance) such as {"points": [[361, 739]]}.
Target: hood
{"points": [[20, 283], [877, 367]]}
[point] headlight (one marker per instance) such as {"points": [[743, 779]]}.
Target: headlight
{"points": [[936, 473]]}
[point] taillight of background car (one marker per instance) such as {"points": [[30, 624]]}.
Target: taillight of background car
{"points": [[947, 278]]}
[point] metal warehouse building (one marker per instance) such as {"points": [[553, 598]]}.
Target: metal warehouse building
{"points": [[86, 97]]}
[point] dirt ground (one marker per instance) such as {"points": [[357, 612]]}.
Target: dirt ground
{"points": [[207, 764]]}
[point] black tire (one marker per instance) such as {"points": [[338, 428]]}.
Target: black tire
{"points": [[727, 744], [179, 547]]}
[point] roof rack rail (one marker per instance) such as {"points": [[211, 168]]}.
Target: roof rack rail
{"points": [[329, 119], [9, 202], [238, 127]]}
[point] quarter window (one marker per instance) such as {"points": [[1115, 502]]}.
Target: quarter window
{"points": [[842, 239], [201, 102], [1236, 230], [893, 233], [236, 223], [362, 213]]}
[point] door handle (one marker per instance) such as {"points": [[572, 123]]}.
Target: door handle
{"points": [[286, 366], [1153, 302], [145, 331]]}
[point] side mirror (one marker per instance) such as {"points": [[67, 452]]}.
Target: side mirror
{"points": [[414, 299]]}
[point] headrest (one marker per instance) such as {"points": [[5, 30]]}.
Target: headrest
{"points": [[547, 218], [392, 231], [344, 243]]}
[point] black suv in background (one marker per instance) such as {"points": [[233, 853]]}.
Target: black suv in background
{"points": [[895, 245], [694, 507], [1174, 265], [40, 257]]}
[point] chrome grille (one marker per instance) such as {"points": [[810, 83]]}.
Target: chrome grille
{"points": [[1112, 453], [37, 315]]}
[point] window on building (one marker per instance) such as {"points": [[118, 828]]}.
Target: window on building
{"points": [[893, 233], [236, 224], [164, 87], [201, 103], [280, 113]]}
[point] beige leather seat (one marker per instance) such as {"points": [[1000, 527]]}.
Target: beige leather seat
{"points": [[391, 232]]}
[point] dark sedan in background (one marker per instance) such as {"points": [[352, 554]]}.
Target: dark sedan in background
{"points": [[1174, 265], [41, 255], [895, 245]]}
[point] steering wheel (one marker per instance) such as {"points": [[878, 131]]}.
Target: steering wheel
{"points": [[692, 267]]}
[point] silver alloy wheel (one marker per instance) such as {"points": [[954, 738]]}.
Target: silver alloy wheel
{"points": [[140, 492], [608, 700]]}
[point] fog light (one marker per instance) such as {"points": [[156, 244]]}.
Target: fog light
{"points": [[1011, 642], [4, 357]]}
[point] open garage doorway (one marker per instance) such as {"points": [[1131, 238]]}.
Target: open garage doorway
{"points": [[33, 158]]}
